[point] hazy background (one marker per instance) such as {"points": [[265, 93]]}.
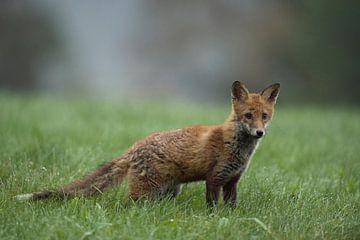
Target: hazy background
{"points": [[186, 50]]}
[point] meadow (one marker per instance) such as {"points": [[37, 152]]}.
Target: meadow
{"points": [[303, 182]]}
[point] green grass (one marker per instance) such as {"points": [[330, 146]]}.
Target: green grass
{"points": [[303, 182]]}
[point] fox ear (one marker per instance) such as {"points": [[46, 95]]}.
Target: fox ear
{"points": [[271, 93], [239, 92]]}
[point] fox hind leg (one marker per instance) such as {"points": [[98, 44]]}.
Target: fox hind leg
{"points": [[173, 190], [145, 186], [142, 189]]}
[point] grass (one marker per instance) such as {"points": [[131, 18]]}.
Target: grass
{"points": [[303, 182]]}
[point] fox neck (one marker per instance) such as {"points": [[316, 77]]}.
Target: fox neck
{"points": [[243, 144]]}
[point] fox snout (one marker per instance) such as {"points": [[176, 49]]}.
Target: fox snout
{"points": [[257, 132]]}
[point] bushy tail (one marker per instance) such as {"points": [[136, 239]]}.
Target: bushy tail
{"points": [[107, 175]]}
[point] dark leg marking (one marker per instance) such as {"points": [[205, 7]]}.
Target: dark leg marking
{"points": [[229, 191], [212, 193]]}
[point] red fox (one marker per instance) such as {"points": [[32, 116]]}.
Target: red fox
{"points": [[157, 165]]}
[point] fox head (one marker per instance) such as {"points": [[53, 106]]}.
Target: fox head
{"points": [[254, 110]]}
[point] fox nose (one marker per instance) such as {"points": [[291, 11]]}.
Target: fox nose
{"points": [[259, 133]]}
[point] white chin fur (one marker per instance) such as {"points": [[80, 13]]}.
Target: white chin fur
{"points": [[24, 197]]}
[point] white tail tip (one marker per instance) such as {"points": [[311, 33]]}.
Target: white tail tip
{"points": [[24, 197]]}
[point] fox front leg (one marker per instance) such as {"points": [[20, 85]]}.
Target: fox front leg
{"points": [[224, 175], [229, 191], [214, 182], [212, 193]]}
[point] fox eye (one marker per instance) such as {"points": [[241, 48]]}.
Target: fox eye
{"points": [[265, 116], [248, 115]]}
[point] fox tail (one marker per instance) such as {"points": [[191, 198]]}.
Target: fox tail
{"points": [[105, 176]]}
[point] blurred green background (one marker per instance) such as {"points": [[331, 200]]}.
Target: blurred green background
{"points": [[81, 81], [182, 50]]}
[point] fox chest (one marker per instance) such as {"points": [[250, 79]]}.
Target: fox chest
{"points": [[241, 152], [231, 169]]}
